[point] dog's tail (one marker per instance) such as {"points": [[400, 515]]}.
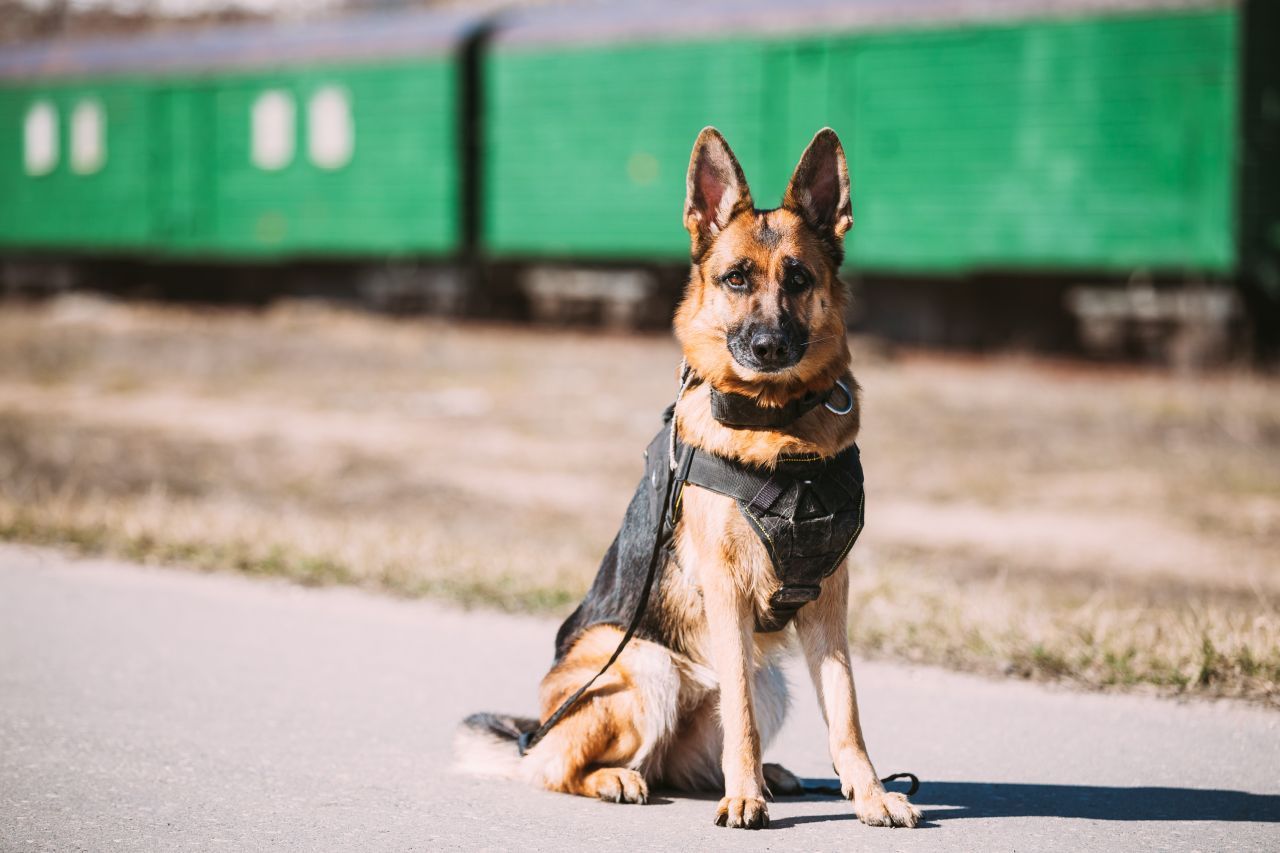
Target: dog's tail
{"points": [[486, 744]]}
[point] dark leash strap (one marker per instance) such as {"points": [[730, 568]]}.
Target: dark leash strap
{"points": [[835, 790], [529, 740]]}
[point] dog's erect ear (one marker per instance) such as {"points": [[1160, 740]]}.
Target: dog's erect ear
{"points": [[819, 188], [716, 189]]}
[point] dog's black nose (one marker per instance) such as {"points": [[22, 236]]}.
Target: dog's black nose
{"points": [[771, 347]]}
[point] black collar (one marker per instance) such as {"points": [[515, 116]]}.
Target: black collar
{"points": [[738, 411]]}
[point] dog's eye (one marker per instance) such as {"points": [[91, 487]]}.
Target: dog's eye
{"points": [[734, 279], [797, 279]]}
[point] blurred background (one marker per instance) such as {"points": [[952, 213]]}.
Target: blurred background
{"points": [[287, 286]]}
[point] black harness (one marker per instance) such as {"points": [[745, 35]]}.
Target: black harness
{"points": [[807, 511]]}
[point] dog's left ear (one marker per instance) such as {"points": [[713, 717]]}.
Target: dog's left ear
{"points": [[819, 188]]}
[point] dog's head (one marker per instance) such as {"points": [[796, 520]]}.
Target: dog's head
{"points": [[763, 313]]}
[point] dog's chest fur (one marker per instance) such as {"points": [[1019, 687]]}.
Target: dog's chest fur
{"points": [[714, 537]]}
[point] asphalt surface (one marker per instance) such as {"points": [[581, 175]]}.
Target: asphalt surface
{"points": [[156, 709]]}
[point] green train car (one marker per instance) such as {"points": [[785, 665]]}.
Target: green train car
{"points": [[320, 140], [1047, 136], [1030, 142]]}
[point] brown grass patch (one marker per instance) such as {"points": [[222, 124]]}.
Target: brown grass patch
{"points": [[1111, 528]]}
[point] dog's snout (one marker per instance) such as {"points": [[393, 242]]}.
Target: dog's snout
{"points": [[766, 347], [771, 347]]}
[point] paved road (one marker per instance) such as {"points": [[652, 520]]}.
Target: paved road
{"points": [[154, 709]]}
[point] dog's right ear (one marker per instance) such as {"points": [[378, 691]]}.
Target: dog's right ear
{"points": [[716, 189]]}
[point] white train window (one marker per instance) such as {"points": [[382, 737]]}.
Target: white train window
{"points": [[40, 138], [88, 137], [331, 136], [274, 127]]}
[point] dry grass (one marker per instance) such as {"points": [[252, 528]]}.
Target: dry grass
{"points": [[1110, 528]]}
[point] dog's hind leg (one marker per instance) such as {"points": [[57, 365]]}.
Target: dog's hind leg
{"points": [[587, 753], [781, 782], [602, 746]]}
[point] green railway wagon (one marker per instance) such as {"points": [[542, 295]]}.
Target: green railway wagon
{"points": [[1043, 135], [48, 198], [323, 140]]}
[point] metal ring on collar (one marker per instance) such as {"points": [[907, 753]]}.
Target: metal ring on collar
{"points": [[848, 407]]}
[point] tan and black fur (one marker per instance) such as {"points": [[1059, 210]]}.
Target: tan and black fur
{"points": [[763, 316]]}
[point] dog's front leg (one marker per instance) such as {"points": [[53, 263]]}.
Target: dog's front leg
{"points": [[823, 630], [729, 626]]}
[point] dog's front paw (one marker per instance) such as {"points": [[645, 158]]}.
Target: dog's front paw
{"points": [[886, 808], [742, 813]]}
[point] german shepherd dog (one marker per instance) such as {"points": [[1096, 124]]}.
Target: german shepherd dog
{"points": [[692, 703]]}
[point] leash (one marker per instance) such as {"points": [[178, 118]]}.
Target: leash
{"points": [[821, 789], [529, 740]]}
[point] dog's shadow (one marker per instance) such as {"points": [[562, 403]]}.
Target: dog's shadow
{"points": [[944, 801]]}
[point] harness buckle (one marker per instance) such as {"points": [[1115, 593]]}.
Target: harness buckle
{"points": [[794, 596], [679, 476]]}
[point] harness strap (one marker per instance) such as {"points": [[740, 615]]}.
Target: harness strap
{"points": [[762, 500], [759, 487]]}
